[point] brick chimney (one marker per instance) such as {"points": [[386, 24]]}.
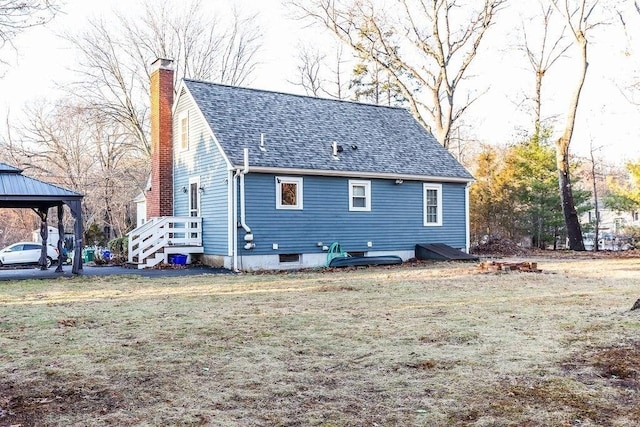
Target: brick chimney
{"points": [[160, 196]]}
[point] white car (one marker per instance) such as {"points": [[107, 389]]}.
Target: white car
{"points": [[27, 253]]}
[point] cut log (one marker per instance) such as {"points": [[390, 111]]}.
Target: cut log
{"points": [[487, 266]]}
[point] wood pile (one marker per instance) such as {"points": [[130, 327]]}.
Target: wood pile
{"points": [[497, 246], [491, 266]]}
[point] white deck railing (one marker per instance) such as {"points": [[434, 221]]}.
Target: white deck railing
{"points": [[147, 243]]}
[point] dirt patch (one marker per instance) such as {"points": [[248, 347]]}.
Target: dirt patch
{"points": [[618, 365], [576, 398], [27, 405]]}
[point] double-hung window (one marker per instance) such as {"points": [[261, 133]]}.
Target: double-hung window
{"points": [[359, 195], [432, 204], [288, 193]]}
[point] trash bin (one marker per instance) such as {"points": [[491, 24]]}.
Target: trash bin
{"points": [[106, 255], [178, 259], [88, 255]]}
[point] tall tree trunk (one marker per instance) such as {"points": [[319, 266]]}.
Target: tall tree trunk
{"points": [[574, 231]]}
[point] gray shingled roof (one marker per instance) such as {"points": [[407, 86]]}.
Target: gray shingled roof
{"points": [[17, 190], [299, 132]]}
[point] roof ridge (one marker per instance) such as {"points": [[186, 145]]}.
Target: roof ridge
{"points": [[277, 92]]}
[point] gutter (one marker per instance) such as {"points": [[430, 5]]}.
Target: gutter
{"points": [[362, 175]]}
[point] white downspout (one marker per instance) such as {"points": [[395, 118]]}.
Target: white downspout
{"points": [[248, 237], [240, 173], [235, 221], [242, 210]]}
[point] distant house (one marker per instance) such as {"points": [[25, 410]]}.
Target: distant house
{"points": [[252, 179], [611, 228]]}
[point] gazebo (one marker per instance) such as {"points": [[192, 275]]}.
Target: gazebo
{"points": [[23, 192]]}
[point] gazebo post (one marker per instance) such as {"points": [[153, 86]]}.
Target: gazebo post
{"points": [[44, 233], [60, 238], [76, 211]]}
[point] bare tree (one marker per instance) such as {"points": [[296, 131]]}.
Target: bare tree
{"points": [[54, 143], [17, 225], [18, 15], [427, 50], [632, 90], [323, 73], [114, 70], [116, 166], [594, 174], [576, 14], [542, 54], [70, 145], [309, 65]]}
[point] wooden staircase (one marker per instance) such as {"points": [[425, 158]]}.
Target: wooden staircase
{"points": [[153, 242]]}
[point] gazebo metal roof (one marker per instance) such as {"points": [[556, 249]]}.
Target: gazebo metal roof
{"points": [[23, 192], [19, 191]]}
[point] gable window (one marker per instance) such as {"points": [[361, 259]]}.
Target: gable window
{"points": [[183, 123], [288, 193], [359, 195], [432, 204]]}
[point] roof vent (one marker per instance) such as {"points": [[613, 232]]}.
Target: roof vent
{"points": [[336, 149], [354, 147], [262, 146]]}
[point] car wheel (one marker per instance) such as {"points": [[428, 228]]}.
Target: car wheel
{"points": [[49, 262]]}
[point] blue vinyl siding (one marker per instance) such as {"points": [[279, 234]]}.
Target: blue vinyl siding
{"points": [[204, 160], [395, 222]]}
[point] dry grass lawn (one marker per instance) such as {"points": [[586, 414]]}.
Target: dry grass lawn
{"points": [[420, 345]]}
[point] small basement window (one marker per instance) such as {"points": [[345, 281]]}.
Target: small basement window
{"points": [[289, 258]]}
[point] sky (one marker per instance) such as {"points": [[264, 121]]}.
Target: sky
{"points": [[606, 120]]}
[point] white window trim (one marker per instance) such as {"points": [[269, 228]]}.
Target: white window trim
{"points": [[299, 197], [194, 180], [367, 195], [438, 188], [184, 115]]}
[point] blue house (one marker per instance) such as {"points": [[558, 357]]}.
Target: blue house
{"points": [[251, 179]]}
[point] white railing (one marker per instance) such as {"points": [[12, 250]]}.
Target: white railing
{"points": [[147, 242]]}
